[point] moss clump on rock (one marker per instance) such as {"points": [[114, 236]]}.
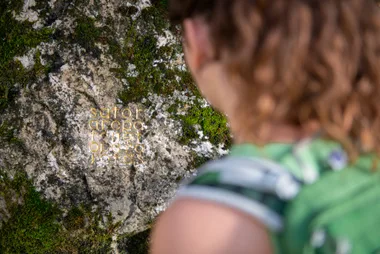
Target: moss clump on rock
{"points": [[135, 243], [145, 68], [17, 38], [82, 232], [212, 123], [198, 160], [33, 224], [7, 133], [87, 34]]}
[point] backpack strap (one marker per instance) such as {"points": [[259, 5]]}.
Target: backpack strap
{"points": [[262, 186], [255, 186]]}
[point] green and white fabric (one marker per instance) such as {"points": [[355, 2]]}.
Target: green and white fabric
{"points": [[307, 195], [256, 186]]}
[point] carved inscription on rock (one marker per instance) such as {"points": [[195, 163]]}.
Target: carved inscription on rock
{"points": [[115, 135]]}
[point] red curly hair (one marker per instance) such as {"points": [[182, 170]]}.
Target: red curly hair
{"points": [[300, 60]]}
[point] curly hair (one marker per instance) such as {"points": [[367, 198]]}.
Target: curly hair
{"points": [[298, 60]]}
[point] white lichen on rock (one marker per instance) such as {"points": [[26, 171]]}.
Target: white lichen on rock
{"points": [[167, 39], [53, 124], [27, 60]]}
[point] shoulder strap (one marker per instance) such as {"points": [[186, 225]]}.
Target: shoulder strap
{"points": [[262, 187], [256, 186]]}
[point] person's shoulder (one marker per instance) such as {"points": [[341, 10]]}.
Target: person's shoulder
{"points": [[298, 198], [255, 186]]}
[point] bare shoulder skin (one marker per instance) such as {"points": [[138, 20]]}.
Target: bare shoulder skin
{"points": [[192, 226]]}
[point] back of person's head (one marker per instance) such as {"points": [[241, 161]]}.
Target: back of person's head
{"points": [[296, 61]]}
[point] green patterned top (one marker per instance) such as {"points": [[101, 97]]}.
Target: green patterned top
{"points": [[330, 213], [307, 194]]}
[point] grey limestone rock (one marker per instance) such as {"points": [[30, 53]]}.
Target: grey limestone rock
{"points": [[73, 143]]}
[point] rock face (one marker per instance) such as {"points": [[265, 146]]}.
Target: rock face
{"points": [[94, 128]]}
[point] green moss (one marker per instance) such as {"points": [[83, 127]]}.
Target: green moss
{"points": [[17, 39], [212, 123], [31, 227], [42, 8], [163, 4], [11, 73], [188, 133], [198, 160], [7, 134], [127, 11], [136, 243], [75, 219], [37, 225], [87, 34], [188, 83], [153, 75], [8, 6], [83, 231], [139, 50], [173, 108], [156, 15]]}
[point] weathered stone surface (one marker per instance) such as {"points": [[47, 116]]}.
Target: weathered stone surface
{"points": [[52, 117]]}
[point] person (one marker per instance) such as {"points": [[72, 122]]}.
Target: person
{"points": [[299, 83]]}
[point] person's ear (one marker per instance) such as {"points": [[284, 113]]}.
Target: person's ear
{"points": [[197, 44]]}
